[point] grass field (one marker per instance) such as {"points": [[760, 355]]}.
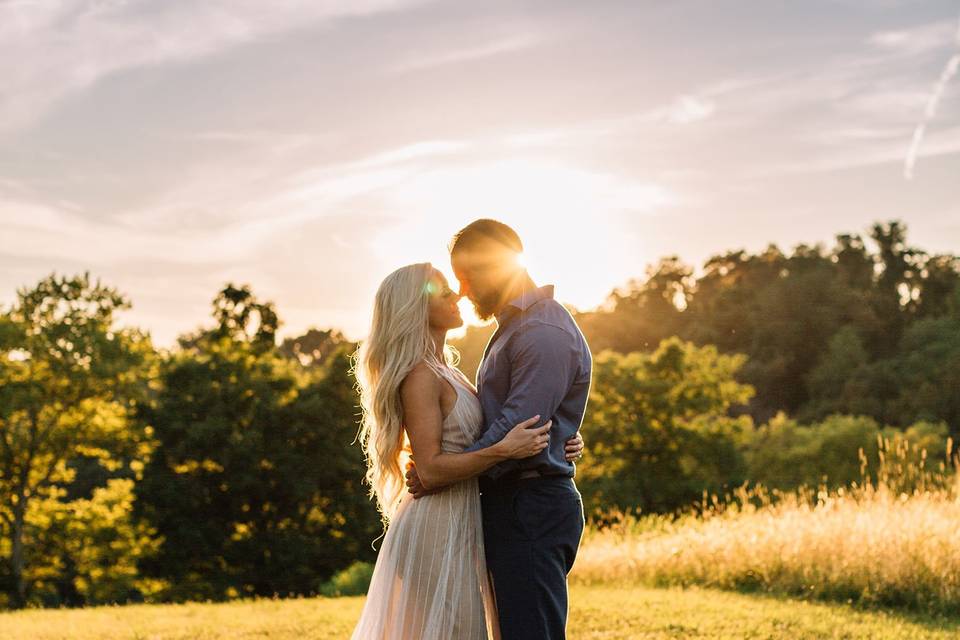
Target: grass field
{"points": [[894, 543], [597, 612]]}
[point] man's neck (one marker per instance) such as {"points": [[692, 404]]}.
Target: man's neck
{"points": [[523, 285]]}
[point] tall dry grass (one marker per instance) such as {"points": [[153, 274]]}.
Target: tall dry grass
{"points": [[892, 539]]}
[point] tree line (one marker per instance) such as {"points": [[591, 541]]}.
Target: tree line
{"points": [[226, 466], [870, 326]]}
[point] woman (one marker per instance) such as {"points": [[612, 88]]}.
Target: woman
{"points": [[430, 581]]}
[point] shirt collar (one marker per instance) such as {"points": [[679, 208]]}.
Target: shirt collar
{"points": [[524, 301]]}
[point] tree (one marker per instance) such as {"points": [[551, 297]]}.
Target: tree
{"points": [[643, 313], [785, 454], [896, 287], [240, 317], [90, 548], [840, 382], [254, 485], [783, 311], [658, 428], [68, 382], [314, 348]]}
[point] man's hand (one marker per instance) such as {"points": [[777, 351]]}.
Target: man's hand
{"points": [[414, 485], [573, 450]]}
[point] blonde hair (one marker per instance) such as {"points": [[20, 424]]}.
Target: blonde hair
{"points": [[399, 339]]}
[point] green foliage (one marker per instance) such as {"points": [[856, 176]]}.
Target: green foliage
{"points": [[785, 455], [888, 540], [824, 330], [658, 428], [227, 466], [68, 382], [254, 484], [906, 386], [313, 348], [240, 317], [90, 548], [642, 313], [352, 581]]}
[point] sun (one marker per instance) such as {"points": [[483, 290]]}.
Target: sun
{"points": [[581, 229]]}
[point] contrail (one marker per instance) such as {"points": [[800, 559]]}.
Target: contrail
{"points": [[948, 72]]}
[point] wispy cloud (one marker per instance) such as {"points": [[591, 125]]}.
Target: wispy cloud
{"points": [[415, 151], [487, 49], [689, 109], [950, 70], [51, 49], [916, 40]]}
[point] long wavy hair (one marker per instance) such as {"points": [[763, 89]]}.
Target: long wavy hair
{"points": [[399, 339]]}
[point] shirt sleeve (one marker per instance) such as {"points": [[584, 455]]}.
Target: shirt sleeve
{"points": [[542, 367]]}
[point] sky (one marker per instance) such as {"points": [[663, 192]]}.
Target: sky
{"points": [[308, 148]]}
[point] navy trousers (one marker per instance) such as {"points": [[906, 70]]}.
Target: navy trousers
{"points": [[531, 532]]}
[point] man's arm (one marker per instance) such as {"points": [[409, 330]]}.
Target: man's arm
{"points": [[543, 364], [572, 451], [420, 398]]}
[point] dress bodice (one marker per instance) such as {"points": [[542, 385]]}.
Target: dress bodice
{"points": [[461, 427]]}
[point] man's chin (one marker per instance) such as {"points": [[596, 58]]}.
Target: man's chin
{"points": [[483, 312]]}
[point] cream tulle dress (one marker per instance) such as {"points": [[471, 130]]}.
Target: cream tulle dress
{"points": [[430, 581]]}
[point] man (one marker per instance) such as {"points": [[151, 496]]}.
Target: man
{"points": [[537, 362]]}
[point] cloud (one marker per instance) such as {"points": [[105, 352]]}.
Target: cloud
{"points": [[488, 49], [950, 70], [841, 156], [416, 151], [49, 50], [914, 41], [689, 109]]}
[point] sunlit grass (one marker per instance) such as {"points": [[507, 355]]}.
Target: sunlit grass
{"points": [[893, 541], [890, 542], [596, 613]]}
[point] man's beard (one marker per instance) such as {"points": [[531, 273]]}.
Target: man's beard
{"points": [[486, 307]]}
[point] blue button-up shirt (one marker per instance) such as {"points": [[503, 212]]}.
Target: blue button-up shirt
{"points": [[537, 362]]}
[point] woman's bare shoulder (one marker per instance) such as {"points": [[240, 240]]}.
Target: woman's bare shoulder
{"points": [[422, 380]]}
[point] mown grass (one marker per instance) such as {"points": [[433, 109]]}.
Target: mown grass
{"points": [[885, 551], [596, 613], [889, 541]]}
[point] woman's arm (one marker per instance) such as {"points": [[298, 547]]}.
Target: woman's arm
{"points": [[573, 449], [423, 420]]}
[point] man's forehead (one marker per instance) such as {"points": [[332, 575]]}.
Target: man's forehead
{"points": [[474, 258]]}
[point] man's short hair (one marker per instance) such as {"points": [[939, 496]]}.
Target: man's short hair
{"points": [[478, 232]]}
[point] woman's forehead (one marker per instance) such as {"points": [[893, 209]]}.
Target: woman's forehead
{"points": [[438, 277]]}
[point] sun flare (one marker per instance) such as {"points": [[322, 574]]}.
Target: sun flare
{"points": [[580, 229]]}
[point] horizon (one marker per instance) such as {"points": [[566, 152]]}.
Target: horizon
{"points": [[469, 316]]}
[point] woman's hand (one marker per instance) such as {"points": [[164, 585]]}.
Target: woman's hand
{"points": [[574, 448], [523, 441]]}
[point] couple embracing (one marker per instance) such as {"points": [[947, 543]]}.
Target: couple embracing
{"points": [[476, 484]]}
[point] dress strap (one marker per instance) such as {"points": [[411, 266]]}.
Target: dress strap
{"points": [[455, 374]]}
